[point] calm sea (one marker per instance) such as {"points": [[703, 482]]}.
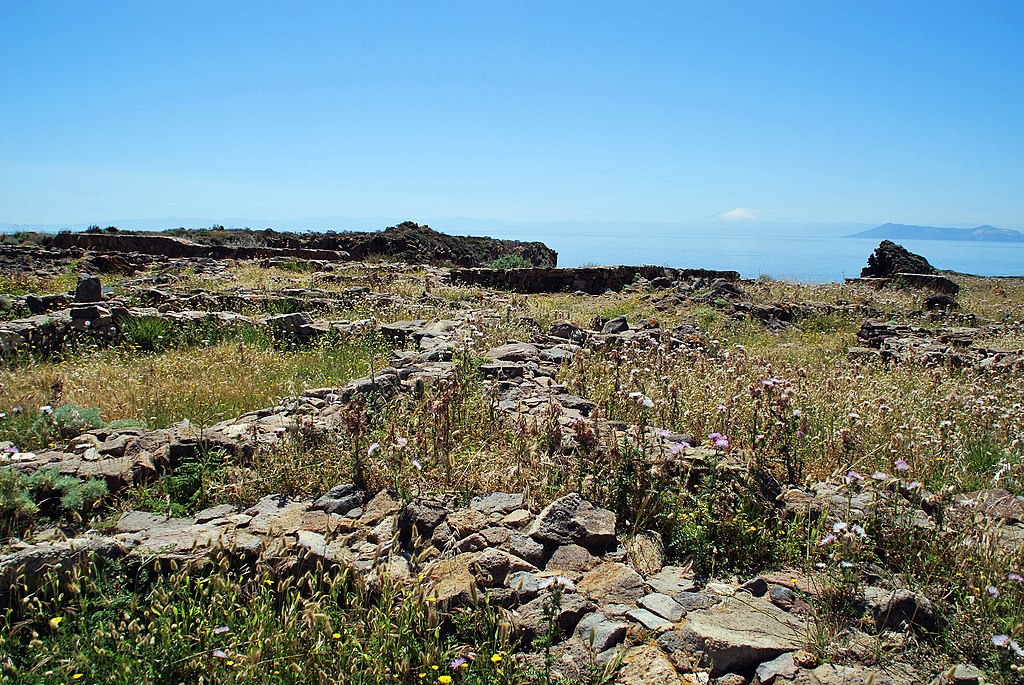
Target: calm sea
{"points": [[789, 257]]}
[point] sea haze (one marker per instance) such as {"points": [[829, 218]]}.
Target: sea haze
{"points": [[800, 252]]}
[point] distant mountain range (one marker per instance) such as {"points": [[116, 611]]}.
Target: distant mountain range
{"points": [[905, 232]]}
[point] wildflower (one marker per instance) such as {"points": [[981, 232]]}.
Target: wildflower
{"points": [[901, 465], [859, 530], [852, 476], [880, 475], [1001, 640], [401, 442], [722, 443], [416, 465], [846, 564], [496, 657], [46, 409], [993, 591], [1014, 576], [444, 679], [373, 448], [914, 485], [78, 676], [827, 540], [457, 663], [662, 433], [220, 654], [839, 526], [55, 622], [220, 629], [336, 636]]}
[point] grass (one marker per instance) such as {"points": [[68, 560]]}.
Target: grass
{"points": [[113, 624], [204, 384], [789, 403]]}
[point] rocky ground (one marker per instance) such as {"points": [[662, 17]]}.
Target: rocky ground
{"points": [[591, 589]]}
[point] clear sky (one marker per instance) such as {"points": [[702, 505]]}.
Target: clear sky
{"points": [[824, 110]]}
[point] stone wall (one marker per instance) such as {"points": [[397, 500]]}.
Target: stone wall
{"points": [[591, 279]]}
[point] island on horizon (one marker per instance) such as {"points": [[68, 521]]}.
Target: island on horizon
{"points": [[985, 232]]}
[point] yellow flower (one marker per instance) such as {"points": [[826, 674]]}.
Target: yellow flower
{"points": [[444, 679], [336, 636], [77, 676], [55, 622], [496, 657], [230, 662], [434, 667]]}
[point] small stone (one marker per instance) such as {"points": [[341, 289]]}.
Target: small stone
{"points": [[965, 674], [647, 665], [648, 620], [497, 503], [517, 519], [382, 505], [780, 667], [600, 633], [756, 586], [571, 558], [672, 580], [720, 589], [612, 582], [646, 552], [571, 519], [467, 521], [88, 289], [663, 606], [781, 596]]}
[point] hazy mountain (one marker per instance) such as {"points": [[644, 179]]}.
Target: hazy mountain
{"points": [[905, 232]]}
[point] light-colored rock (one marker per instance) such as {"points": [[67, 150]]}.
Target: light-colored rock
{"points": [[648, 620], [663, 606], [612, 582], [599, 632], [647, 665], [771, 671], [671, 580], [646, 552], [738, 634], [571, 558]]}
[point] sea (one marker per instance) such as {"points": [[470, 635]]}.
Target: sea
{"points": [[780, 255]]}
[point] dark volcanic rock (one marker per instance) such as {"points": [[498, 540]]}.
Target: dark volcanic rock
{"points": [[890, 259], [89, 289]]}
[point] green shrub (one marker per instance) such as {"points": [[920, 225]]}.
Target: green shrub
{"points": [[66, 422], [510, 261], [16, 504], [46, 493], [147, 333]]}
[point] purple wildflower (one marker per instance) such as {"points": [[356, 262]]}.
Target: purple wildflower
{"points": [[416, 465], [220, 654], [880, 475], [901, 465], [1014, 576], [993, 591], [373, 448], [220, 629], [827, 540], [457, 663], [852, 476]]}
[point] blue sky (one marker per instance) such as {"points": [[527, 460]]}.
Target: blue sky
{"points": [[522, 111]]}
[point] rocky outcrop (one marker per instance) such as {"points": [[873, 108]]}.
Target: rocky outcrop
{"points": [[890, 259], [170, 246]]}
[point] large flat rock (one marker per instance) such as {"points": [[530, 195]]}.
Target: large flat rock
{"points": [[739, 633]]}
